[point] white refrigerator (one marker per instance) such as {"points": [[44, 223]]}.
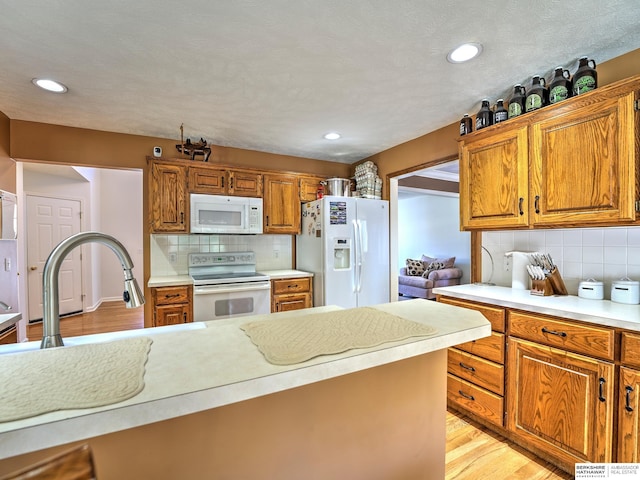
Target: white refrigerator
{"points": [[345, 243]]}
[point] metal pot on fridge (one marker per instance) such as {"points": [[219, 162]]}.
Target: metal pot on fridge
{"points": [[338, 187]]}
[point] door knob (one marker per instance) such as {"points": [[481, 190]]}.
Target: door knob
{"points": [[33, 267]]}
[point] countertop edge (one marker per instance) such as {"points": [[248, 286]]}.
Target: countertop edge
{"points": [[9, 319], [37, 437], [612, 321]]}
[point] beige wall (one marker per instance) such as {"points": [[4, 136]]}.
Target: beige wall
{"points": [[7, 165]]}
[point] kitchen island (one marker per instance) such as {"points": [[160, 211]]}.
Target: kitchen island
{"points": [[213, 407]]}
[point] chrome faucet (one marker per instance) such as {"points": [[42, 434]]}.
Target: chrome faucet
{"points": [[132, 295]]}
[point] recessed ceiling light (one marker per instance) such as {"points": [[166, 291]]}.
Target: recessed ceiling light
{"points": [[464, 52], [49, 85], [332, 136]]}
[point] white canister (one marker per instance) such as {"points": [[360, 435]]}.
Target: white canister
{"points": [[625, 291], [591, 289]]}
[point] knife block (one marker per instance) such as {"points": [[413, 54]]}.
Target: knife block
{"points": [[557, 283], [541, 287]]}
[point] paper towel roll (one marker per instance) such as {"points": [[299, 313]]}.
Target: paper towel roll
{"points": [[519, 276]]}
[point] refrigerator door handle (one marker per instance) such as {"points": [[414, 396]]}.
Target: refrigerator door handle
{"points": [[355, 280], [359, 255]]}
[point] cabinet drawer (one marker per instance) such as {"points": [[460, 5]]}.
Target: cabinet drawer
{"points": [[475, 399], [586, 339], [495, 315], [290, 285], [491, 347], [630, 354], [172, 295], [482, 372], [285, 303]]}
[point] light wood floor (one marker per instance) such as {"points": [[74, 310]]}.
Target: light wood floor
{"points": [[108, 317], [473, 452]]}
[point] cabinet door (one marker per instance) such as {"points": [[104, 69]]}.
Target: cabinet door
{"points": [[281, 204], [494, 179], [309, 188], [245, 184], [583, 163], [285, 303], [561, 402], [168, 200], [171, 315], [628, 418], [207, 180]]}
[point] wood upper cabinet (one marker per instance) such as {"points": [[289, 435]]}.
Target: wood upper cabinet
{"points": [[217, 181], [309, 188], [281, 204], [561, 402], [494, 179], [574, 163], [583, 163], [168, 198]]}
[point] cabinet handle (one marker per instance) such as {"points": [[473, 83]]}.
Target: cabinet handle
{"points": [[173, 295], [600, 390], [520, 202], [292, 286], [466, 395], [467, 367], [267, 219], [184, 317], [181, 217], [536, 204], [222, 183], [231, 183], [627, 405], [553, 332]]}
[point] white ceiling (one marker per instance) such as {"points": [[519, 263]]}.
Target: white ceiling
{"points": [[276, 75]]}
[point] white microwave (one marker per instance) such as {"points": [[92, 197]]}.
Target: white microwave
{"points": [[225, 214]]}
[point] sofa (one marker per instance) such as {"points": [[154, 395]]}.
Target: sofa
{"points": [[418, 278]]}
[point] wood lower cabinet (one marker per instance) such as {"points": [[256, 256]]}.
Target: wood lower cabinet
{"points": [[291, 294], [281, 204], [476, 373], [169, 201], [561, 402], [629, 400], [172, 305]]}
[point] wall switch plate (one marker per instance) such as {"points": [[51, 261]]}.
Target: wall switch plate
{"points": [[173, 257]]}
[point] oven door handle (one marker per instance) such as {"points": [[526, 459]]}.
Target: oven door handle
{"points": [[209, 289]]}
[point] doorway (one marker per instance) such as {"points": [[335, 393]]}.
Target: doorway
{"points": [[425, 217], [110, 202], [49, 221]]}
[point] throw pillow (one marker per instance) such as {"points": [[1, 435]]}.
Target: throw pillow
{"points": [[415, 268], [448, 262], [432, 267]]}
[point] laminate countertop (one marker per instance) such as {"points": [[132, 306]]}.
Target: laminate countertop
{"points": [[8, 319], [600, 312], [204, 365]]}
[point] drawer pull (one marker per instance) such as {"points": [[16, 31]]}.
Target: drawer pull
{"points": [[601, 390], [553, 332], [520, 202], [292, 286], [627, 405], [466, 395], [172, 295], [467, 367], [536, 203]]}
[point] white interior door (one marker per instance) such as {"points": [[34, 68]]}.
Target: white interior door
{"points": [[49, 221]]}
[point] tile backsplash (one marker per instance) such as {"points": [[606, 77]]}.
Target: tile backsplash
{"points": [[169, 253], [604, 254]]}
